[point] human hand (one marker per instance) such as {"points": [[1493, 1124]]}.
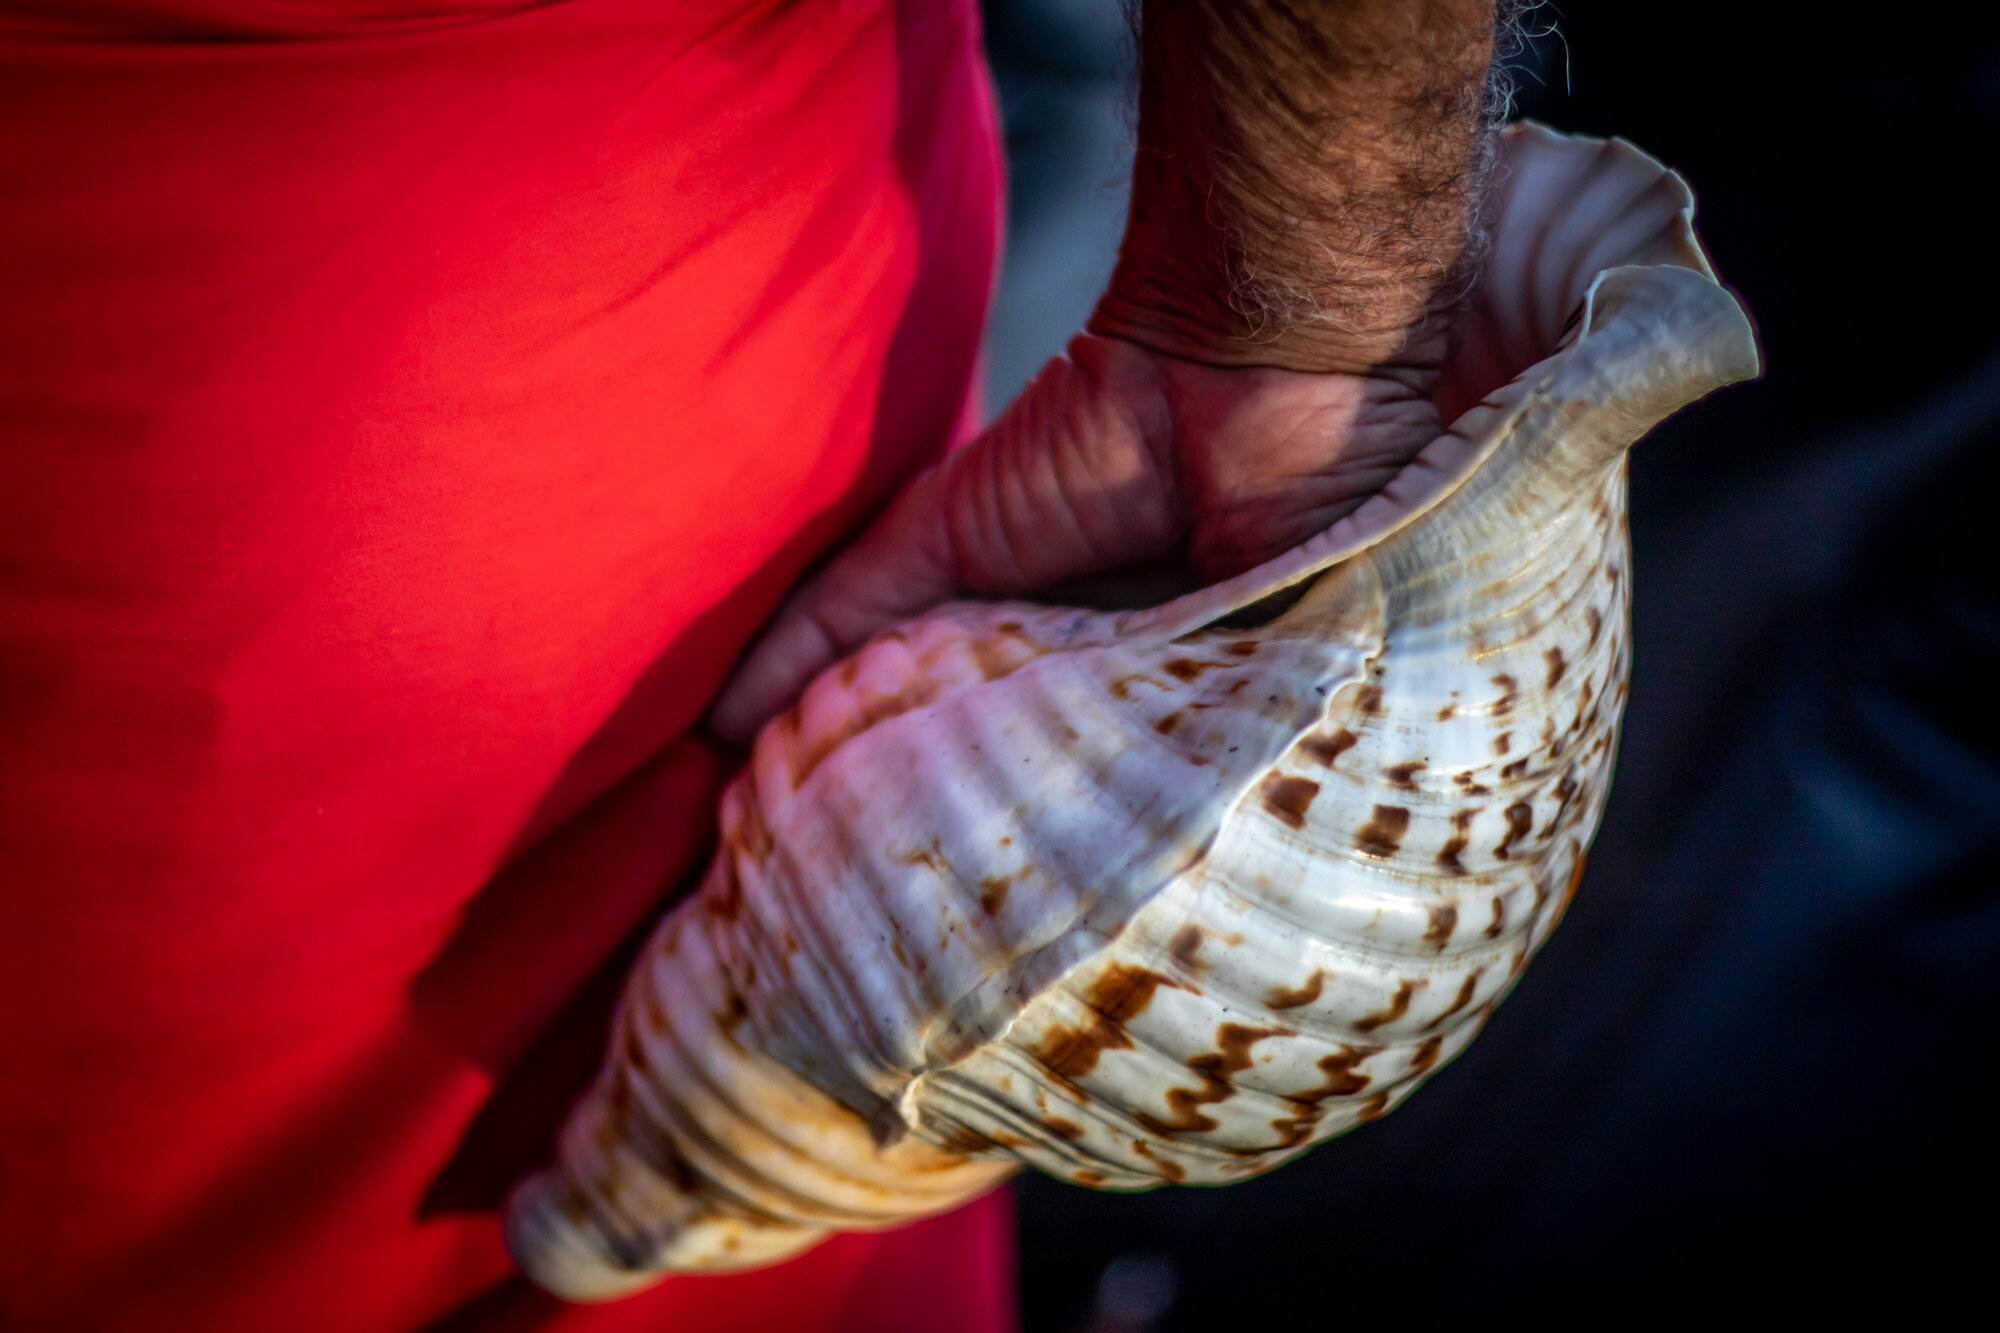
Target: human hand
{"points": [[1263, 358], [1113, 457]]}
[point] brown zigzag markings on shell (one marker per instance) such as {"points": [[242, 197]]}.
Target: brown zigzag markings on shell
{"points": [[1135, 900]]}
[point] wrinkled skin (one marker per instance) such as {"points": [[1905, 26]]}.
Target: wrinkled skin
{"points": [[1114, 457], [1327, 152]]}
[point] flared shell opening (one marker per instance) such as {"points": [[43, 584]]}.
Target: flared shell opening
{"points": [[1564, 211]]}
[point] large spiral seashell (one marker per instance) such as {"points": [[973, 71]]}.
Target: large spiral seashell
{"points": [[1139, 897]]}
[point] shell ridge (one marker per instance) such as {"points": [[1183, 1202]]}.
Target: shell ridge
{"points": [[747, 1155], [827, 808], [1045, 974], [1040, 967]]}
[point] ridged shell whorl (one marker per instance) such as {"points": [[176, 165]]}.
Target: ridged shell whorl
{"points": [[1137, 898]]}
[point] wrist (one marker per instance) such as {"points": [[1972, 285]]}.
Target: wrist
{"points": [[1160, 312], [1302, 196], [1376, 299]]}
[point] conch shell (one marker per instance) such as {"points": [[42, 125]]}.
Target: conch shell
{"points": [[1142, 897]]}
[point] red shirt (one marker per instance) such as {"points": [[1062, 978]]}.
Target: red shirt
{"points": [[407, 411]]}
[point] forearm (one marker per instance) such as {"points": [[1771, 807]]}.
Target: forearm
{"points": [[1303, 193]]}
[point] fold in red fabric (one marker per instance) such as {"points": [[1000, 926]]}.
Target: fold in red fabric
{"points": [[407, 412]]}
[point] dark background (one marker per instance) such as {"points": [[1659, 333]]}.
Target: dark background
{"points": [[1755, 1067]]}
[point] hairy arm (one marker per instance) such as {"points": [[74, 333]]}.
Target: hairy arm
{"points": [[1302, 194], [1262, 360]]}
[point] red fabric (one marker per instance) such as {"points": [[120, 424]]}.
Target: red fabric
{"points": [[407, 410]]}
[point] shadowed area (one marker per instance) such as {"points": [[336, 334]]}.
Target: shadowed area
{"points": [[1751, 1058]]}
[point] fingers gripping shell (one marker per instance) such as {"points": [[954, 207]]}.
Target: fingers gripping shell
{"points": [[1136, 898]]}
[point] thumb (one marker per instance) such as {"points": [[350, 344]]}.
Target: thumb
{"points": [[1075, 478]]}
